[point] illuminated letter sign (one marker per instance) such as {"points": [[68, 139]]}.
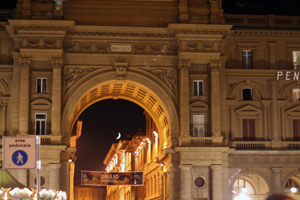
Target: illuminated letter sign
{"points": [[288, 75]]}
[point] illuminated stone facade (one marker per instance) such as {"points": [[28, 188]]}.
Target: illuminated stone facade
{"points": [[223, 119]]}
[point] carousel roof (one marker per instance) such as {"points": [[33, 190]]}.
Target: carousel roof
{"points": [[8, 181]]}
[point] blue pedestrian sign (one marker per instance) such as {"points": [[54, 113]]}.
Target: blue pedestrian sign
{"points": [[19, 152], [19, 157]]}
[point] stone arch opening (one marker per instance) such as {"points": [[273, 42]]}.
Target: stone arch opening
{"points": [[291, 184], [141, 90], [251, 184]]}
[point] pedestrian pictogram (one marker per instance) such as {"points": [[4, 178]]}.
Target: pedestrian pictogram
{"points": [[20, 157]]}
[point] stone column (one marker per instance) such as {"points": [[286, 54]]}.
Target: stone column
{"points": [[186, 182], [274, 112], [215, 98], [25, 63], [184, 97], [217, 191], [22, 176], [57, 64], [276, 180], [54, 176]]}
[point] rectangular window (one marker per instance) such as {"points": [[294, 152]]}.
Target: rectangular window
{"points": [[296, 94], [198, 126], [296, 129], [247, 59], [40, 124], [249, 129], [198, 88], [247, 94], [41, 85], [296, 60]]}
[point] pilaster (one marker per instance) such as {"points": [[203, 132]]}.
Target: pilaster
{"points": [[215, 67], [184, 97], [274, 110], [54, 176], [186, 182], [57, 64], [276, 180], [25, 64], [217, 191]]}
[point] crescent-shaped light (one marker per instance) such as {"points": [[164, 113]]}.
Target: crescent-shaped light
{"points": [[119, 136]]}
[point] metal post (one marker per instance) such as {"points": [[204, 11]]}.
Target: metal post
{"points": [[38, 167]]}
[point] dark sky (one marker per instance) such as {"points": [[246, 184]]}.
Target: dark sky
{"points": [[279, 7], [101, 123]]}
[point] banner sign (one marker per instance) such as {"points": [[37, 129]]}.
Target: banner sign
{"points": [[99, 178]]}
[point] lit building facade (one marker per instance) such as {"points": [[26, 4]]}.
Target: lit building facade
{"points": [[222, 90], [137, 154]]}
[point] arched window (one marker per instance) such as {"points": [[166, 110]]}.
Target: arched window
{"points": [[243, 186], [293, 184]]}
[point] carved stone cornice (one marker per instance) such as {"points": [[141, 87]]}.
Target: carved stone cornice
{"points": [[41, 42], [119, 34], [191, 30], [57, 62], [141, 48], [25, 61], [35, 29], [75, 74], [199, 46], [184, 65]]}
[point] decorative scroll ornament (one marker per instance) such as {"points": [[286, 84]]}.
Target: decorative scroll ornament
{"points": [[168, 76], [25, 61], [184, 64], [120, 70], [75, 74], [57, 62]]}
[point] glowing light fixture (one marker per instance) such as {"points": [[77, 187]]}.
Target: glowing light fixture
{"points": [[293, 189]]}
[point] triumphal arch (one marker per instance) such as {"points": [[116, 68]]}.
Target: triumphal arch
{"points": [[224, 118]]}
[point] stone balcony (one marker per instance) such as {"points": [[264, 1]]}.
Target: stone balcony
{"points": [[263, 21], [248, 145]]}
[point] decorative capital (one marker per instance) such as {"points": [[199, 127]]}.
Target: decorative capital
{"points": [[120, 70], [184, 64], [57, 62], [25, 61], [217, 64]]}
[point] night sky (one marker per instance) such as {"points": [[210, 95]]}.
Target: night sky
{"points": [[101, 123], [279, 7]]}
